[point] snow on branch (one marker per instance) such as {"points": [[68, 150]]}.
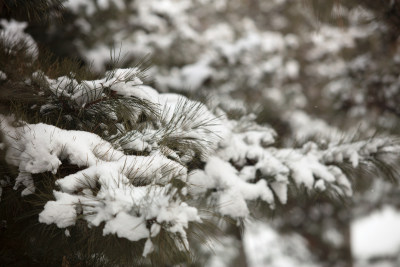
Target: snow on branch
{"points": [[125, 181], [114, 188], [144, 163], [13, 38], [246, 167]]}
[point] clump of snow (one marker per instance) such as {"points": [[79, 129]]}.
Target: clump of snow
{"points": [[128, 193], [305, 127], [125, 192], [62, 212], [3, 183], [234, 191], [25, 178], [264, 246], [224, 251], [194, 75], [175, 116], [247, 168], [13, 35], [3, 76], [120, 80], [127, 196], [376, 235], [89, 7], [127, 226]]}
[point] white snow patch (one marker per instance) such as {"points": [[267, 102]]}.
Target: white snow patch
{"points": [[376, 235]]}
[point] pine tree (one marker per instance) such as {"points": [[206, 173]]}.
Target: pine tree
{"points": [[100, 168]]}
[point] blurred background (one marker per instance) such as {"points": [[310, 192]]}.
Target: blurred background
{"points": [[313, 70]]}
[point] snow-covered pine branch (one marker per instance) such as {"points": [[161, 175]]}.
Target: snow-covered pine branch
{"points": [[118, 188], [145, 164]]}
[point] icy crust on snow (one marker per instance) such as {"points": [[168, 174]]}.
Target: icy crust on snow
{"points": [[121, 190]]}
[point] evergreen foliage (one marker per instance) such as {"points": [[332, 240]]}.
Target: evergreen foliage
{"points": [[100, 169]]}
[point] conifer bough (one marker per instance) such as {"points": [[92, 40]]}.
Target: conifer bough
{"points": [[111, 157]]}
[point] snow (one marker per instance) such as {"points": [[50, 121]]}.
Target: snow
{"points": [[77, 5], [280, 189], [376, 235], [194, 75], [3, 183], [122, 81], [241, 161], [62, 212], [67, 233], [13, 34], [134, 189], [37, 148], [148, 248], [306, 126], [25, 178], [223, 251], [3, 76], [230, 175], [320, 185], [264, 246], [234, 191], [127, 226]]}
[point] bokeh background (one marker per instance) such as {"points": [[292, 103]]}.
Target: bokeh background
{"points": [[313, 70]]}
